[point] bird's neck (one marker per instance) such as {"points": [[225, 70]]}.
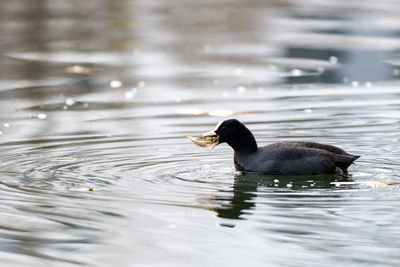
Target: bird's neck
{"points": [[245, 144]]}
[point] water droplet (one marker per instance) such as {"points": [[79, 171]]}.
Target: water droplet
{"points": [[307, 110], [6, 125], [289, 185], [355, 83], [141, 84], [239, 72], [129, 95], [276, 181], [69, 102], [41, 116], [115, 84], [333, 60], [297, 72]]}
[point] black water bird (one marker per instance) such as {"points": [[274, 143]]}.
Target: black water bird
{"points": [[289, 157]]}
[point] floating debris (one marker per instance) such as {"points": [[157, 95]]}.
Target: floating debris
{"points": [[82, 189], [297, 72], [333, 60], [141, 84], [129, 95], [78, 69], [41, 116], [355, 83], [241, 89], [115, 84], [69, 101], [367, 183]]}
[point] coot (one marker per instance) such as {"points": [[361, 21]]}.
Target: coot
{"points": [[282, 157]]}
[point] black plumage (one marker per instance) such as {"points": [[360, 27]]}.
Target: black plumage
{"points": [[282, 157]]}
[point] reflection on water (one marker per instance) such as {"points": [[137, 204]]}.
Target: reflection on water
{"points": [[97, 96], [247, 187]]}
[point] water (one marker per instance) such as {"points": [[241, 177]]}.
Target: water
{"points": [[97, 96]]}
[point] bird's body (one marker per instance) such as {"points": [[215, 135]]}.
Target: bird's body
{"points": [[294, 158], [282, 157]]}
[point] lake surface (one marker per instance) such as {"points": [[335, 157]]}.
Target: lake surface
{"points": [[96, 98]]}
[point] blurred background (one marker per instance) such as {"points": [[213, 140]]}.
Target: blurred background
{"points": [[96, 98]]}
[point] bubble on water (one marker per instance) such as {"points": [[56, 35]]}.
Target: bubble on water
{"points": [[115, 84], [41, 116], [355, 83], [396, 72], [241, 89], [289, 185], [297, 72], [333, 60], [6, 125], [276, 181], [129, 95], [368, 84], [69, 101], [239, 72], [141, 84]]}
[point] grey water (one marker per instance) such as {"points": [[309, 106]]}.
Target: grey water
{"points": [[96, 98]]}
